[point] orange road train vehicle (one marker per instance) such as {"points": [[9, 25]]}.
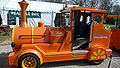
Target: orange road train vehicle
{"points": [[115, 38], [79, 34]]}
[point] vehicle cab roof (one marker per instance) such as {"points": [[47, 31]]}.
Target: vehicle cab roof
{"points": [[68, 9], [113, 16]]}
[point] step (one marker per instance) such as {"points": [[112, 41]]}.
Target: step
{"points": [[78, 52]]}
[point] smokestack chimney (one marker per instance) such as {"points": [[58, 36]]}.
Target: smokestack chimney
{"points": [[23, 6]]}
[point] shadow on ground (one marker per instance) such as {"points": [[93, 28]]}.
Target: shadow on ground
{"points": [[4, 60], [66, 63], [62, 64], [115, 52], [4, 64]]}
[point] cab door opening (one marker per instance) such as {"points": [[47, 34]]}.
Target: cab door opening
{"points": [[81, 29]]}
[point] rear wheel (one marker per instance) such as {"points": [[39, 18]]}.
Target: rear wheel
{"points": [[28, 61], [96, 62]]}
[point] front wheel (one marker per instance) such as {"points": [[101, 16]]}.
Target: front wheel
{"points": [[96, 62], [28, 61]]}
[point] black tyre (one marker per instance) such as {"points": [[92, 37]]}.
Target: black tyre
{"points": [[96, 62], [29, 61]]}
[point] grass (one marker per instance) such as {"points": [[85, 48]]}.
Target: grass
{"points": [[4, 44], [110, 26], [2, 38], [5, 38]]}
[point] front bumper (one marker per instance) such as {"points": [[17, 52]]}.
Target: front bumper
{"points": [[12, 59], [108, 52]]}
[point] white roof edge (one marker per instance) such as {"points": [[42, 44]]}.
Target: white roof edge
{"points": [[36, 6]]}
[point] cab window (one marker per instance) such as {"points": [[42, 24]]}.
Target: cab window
{"points": [[62, 20]]}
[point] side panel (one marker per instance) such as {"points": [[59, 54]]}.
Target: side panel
{"points": [[55, 46], [51, 37], [100, 36], [26, 48], [115, 38]]}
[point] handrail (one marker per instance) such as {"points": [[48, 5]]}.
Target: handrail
{"points": [[31, 36]]}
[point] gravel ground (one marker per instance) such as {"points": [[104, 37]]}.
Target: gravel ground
{"points": [[115, 62]]}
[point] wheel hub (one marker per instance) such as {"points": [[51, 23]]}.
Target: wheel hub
{"points": [[29, 62]]}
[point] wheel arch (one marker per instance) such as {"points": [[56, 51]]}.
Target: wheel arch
{"points": [[98, 51], [31, 51]]}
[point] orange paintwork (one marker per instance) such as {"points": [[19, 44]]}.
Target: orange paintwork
{"points": [[52, 44], [101, 31], [84, 9], [114, 41], [115, 38], [97, 53], [40, 24], [23, 6], [113, 16]]}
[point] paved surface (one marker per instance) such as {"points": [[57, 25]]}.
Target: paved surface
{"points": [[115, 63]]}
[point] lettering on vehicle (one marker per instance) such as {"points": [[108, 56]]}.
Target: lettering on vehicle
{"points": [[57, 34], [100, 37]]}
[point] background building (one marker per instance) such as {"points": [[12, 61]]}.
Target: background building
{"points": [[36, 11]]}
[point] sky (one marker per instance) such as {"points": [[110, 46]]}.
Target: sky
{"points": [[117, 1]]}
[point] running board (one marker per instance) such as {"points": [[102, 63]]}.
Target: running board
{"points": [[78, 52]]}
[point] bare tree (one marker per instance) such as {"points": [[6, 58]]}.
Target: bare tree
{"points": [[81, 2], [87, 3], [94, 3], [55, 1], [106, 5], [116, 9]]}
